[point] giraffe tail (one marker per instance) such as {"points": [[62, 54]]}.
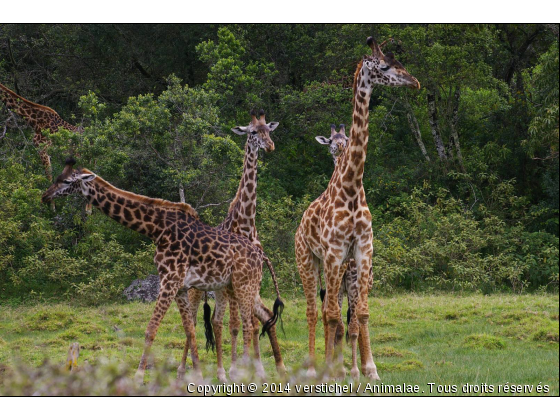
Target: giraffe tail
{"points": [[348, 316], [208, 332], [278, 307], [322, 291]]}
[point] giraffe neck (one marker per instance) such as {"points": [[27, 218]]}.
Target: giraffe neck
{"points": [[350, 165], [39, 117], [242, 210], [148, 216]]}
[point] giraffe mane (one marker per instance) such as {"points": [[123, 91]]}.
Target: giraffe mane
{"points": [[355, 84], [155, 202], [28, 102]]}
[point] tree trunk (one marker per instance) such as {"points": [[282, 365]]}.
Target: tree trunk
{"points": [[413, 124], [434, 125], [182, 193], [453, 127]]}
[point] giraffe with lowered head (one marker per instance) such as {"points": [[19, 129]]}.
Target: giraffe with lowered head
{"points": [[338, 228], [189, 253], [241, 220]]}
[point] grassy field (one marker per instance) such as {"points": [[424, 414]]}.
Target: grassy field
{"points": [[445, 340]]}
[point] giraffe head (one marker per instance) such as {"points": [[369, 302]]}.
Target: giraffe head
{"points": [[337, 141], [258, 132], [384, 69], [70, 181]]}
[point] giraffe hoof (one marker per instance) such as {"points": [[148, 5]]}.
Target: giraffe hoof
{"points": [[281, 369], [311, 373], [181, 372], [222, 375], [139, 377], [355, 373], [371, 373], [233, 373]]}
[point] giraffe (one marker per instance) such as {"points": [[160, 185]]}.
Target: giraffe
{"points": [[337, 226], [39, 118], [241, 220], [188, 253], [337, 142]]}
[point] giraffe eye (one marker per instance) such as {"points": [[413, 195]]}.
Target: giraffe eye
{"points": [[253, 132], [67, 182], [384, 68]]}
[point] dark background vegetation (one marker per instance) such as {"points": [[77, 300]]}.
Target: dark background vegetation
{"points": [[157, 103]]}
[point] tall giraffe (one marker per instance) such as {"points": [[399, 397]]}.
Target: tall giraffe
{"points": [[39, 118], [337, 142], [337, 226], [241, 220], [188, 254]]}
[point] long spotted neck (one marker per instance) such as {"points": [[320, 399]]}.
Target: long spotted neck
{"points": [[242, 210], [351, 163], [39, 117], [148, 216]]}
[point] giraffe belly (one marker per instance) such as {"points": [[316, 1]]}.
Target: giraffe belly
{"points": [[205, 281]]}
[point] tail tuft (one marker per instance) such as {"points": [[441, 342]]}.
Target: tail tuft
{"points": [[277, 310], [322, 294]]}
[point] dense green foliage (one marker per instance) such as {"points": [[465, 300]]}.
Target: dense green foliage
{"points": [[157, 103]]}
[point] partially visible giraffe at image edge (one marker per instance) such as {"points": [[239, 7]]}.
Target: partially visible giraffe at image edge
{"points": [[39, 118]]}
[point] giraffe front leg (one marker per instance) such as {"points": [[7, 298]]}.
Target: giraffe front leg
{"points": [[234, 324], [247, 325], [194, 297], [259, 368], [333, 280], [339, 336], [363, 265], [185, 302], [218, 324], [351, 284], [168, 289], [308, 269]]}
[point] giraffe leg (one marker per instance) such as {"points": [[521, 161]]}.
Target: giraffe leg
{"points": [[259, 368], [42, 144], [218, 324], [194, 297], [333, 280], [182, 299], [168, 289], [308, 267], [339, 337], [353, 328], [234, 324], [363, 253], [245, 286], [264, 314]]}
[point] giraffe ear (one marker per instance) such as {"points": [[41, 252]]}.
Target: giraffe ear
{"points": [[323, 140], [239, 130], [272, 125], [87, 177]]}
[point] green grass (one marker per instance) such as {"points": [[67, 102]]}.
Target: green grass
{"points": [[445, 339]]}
